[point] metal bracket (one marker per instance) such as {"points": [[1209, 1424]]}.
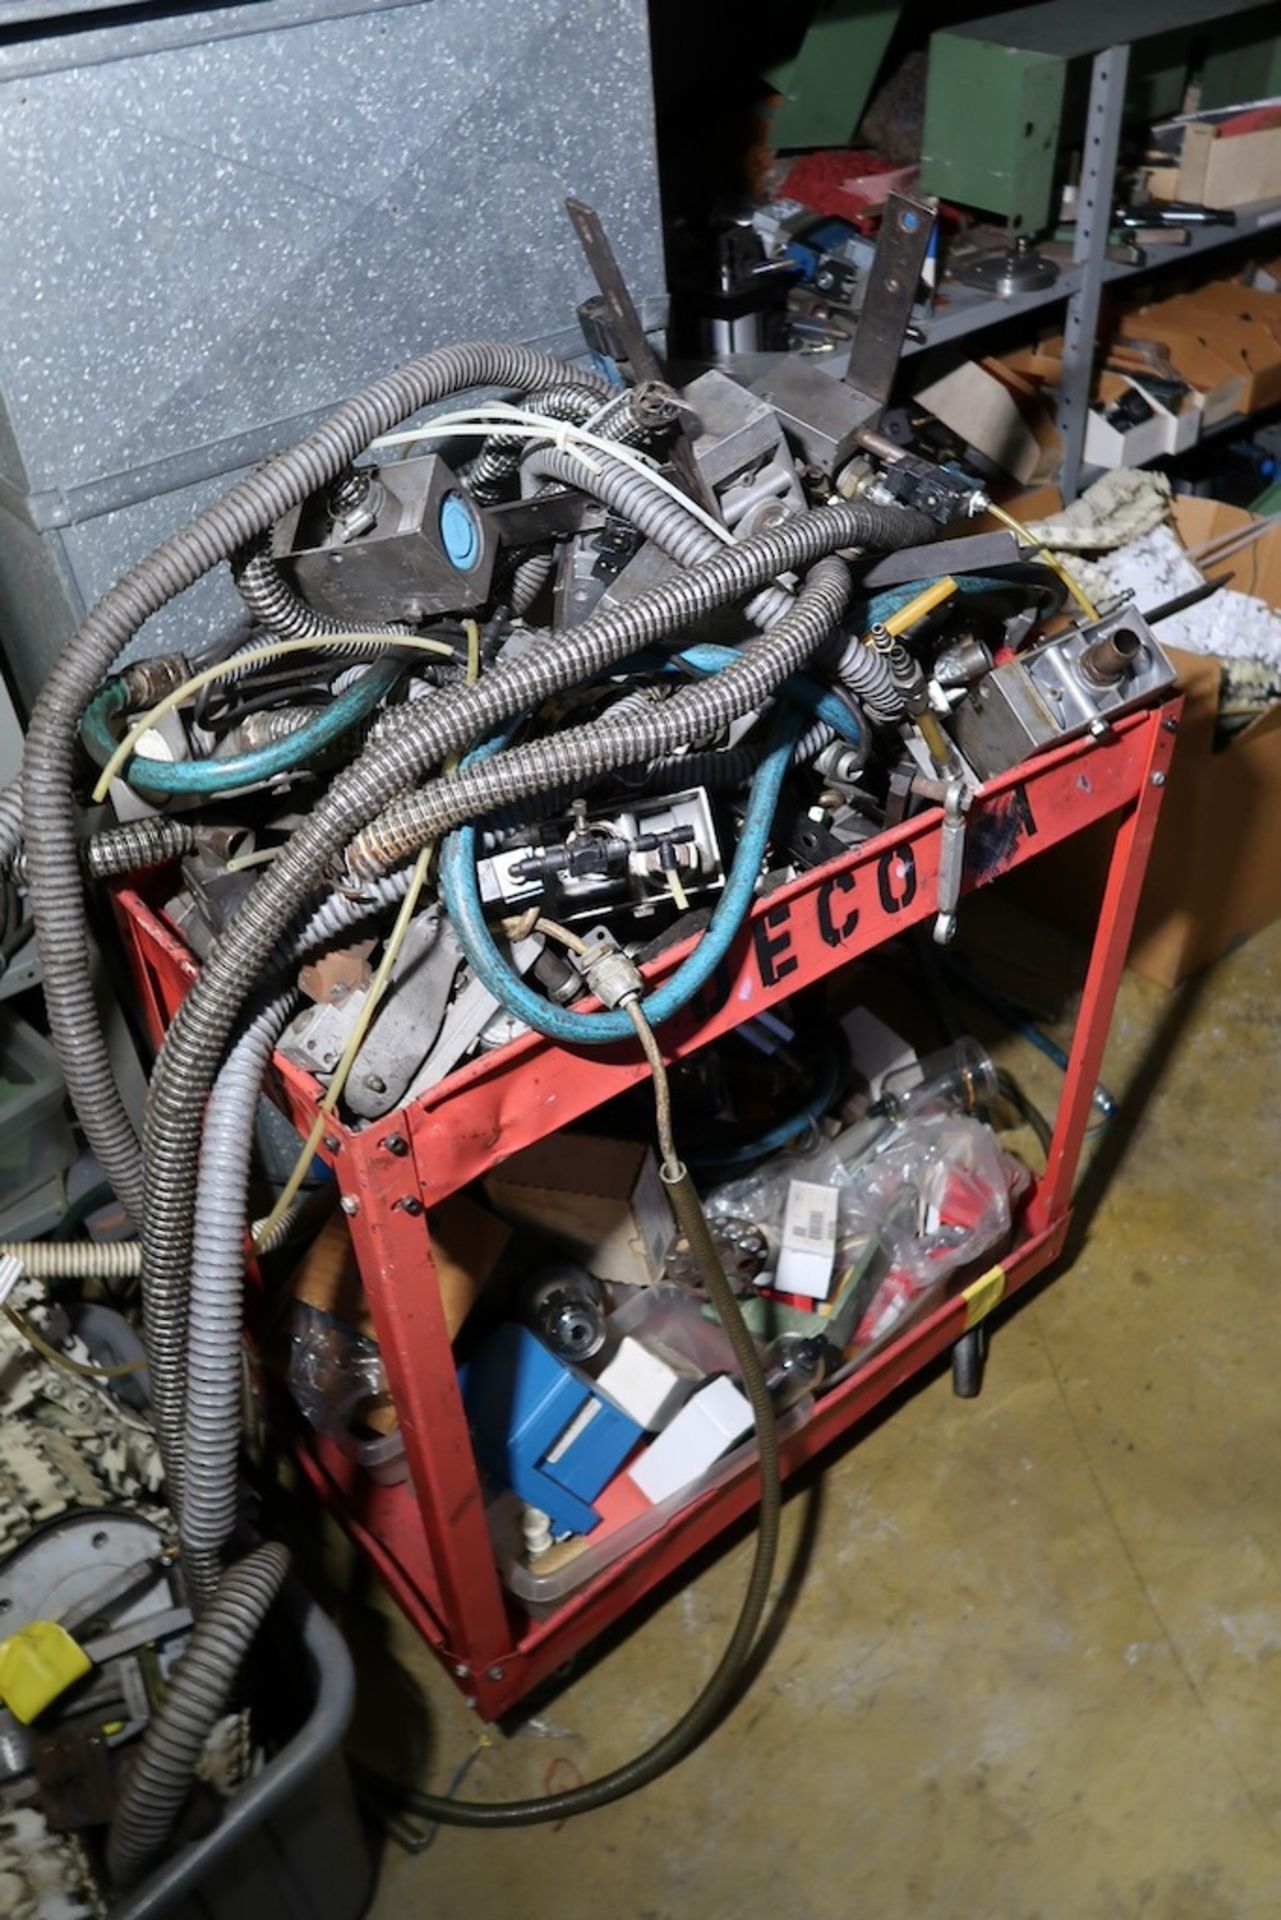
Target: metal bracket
{"points": [[901, 248], [956, 804]]}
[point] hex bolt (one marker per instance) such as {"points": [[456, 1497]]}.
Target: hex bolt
{"points": [[349, 1203], [494, 1673], [410, 1204], [331, 1143], [1170, 724], [396, 1143], [1158, 779], [461, 1672], [375, 1083]]}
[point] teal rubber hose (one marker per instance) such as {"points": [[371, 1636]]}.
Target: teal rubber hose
{"points": [[239, 769], [461, 893]]}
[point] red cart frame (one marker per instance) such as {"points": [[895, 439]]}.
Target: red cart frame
{"points": [[428, 1537]]}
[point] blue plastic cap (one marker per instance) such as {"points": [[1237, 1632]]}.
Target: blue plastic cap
{"points": [[459, 532]]}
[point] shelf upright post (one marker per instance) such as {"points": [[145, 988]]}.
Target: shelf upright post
{"points": [[1089, 252]]}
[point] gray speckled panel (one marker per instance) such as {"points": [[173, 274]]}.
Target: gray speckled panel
{"points": [[208, 244]]}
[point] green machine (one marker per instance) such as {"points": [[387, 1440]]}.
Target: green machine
{"points": [[1000, 88]]}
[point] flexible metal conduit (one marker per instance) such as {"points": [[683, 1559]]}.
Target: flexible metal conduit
{"points": [[208, 1518], [159, 1779], [246, 511]]}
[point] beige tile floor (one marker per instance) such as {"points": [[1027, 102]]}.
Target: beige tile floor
{"points": [[1030, 1668]]}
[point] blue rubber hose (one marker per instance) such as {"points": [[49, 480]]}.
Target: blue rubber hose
{"points": [[239, 769], [461, 893]]}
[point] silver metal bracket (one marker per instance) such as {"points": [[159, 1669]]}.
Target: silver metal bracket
{"points": [[956, 804]]}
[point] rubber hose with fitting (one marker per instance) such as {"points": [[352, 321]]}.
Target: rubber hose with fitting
{"points": [[229, 773], [701, 1718], [193, 1044], [159, 1776], [693, 714], [245, 511]]}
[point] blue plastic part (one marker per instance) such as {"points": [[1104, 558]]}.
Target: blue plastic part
{"points": [[520, 1399], [459, 532], [461, 894]]}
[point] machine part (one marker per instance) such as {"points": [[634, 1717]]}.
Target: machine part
{"points": [[69, 1570], [1064, 688], [962, 663], [794, 1365], [907, 227], [945, 493], [822, 417], [564, 1306], [586, 863], [1016, 269], [427, 551], [472, 1010], [956, 804], [627, 329], [408, 1023], [741, 452]]}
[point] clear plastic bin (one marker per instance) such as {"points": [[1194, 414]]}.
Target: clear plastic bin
{"points": [[35, 1136]]}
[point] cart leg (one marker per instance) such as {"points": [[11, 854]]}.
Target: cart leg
{"points": [[969, 1356]]}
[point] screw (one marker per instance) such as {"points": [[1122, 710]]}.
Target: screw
{"points": [[332, 1143], [375, 1084], [410, 1204], [494, 1673], [349, 1203], [1098, 729], [396, 1143], [1158, 779], [1170, 724], [462, 1673]]}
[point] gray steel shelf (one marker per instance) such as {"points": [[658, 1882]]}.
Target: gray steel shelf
{"points": [[971, 311]]}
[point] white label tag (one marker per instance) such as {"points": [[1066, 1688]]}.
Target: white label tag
{"points": [[809, 1240]]}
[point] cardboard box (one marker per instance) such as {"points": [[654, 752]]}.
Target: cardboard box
{"points": [[1216, 372], [1244, 323], [466, 1243], [1003, 414], [602, 1198], [1214, 876], [1222, 168]]}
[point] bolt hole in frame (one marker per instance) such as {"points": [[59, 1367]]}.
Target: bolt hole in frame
{"points": [[428, 1537]]}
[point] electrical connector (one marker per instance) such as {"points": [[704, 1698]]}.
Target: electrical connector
{"points": [[612, 976]]}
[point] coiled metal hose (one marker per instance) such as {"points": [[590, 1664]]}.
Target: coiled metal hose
{"points": [[129, 848], [245, 512], [208, 1518], [613, 740], [498, 462], [274, 604], [159, 1778]]}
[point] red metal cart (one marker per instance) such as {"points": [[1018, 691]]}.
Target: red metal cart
{"points": [[428, 1536]]}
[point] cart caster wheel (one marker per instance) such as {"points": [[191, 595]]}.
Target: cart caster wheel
{"points": [[968, 1358]]}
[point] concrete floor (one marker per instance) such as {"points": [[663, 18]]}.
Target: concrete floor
{"points": [[1030, 1667]]}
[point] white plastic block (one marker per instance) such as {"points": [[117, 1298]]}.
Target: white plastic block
{"points": [[706, 1427], [643, 1384]]}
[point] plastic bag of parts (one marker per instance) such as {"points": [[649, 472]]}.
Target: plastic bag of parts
{"points": [[939, 1198], [333, 1371], [796, 1222]]}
